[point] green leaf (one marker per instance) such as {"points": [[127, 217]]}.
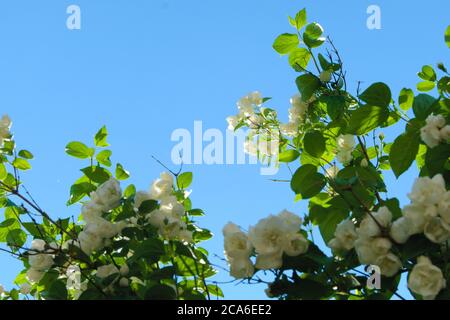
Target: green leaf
{"points": [[160, 292], [312, 35], [100, 137], [300, 20], [378, 94], [307, 84], [3, 172], [103, 157], [423, 106], [57, 291], [447, 36], [314, 143], [426, 86], [406, 99], [403, 152], [148, 206], [427, 73], [97, 174], [288, 156], [16, 238], [367, 118], [21, 164], [285, 43], [25, 154], [79, 190], [436, 158], [184, 180], [79, 150], [307, 181], [299, 59], [121, 173], [150, 249], [335, 106]]}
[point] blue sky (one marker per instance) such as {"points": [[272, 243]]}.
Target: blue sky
{"points": [[146, 68]]}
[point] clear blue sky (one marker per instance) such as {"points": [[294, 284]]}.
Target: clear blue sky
{"points": [[145, 68]]}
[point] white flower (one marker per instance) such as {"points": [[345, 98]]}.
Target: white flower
{"points": [[170, 204], [2, 290], [434, 131], [345, 142], [437, 230], [124, 270], [250, 147], [5, 126], [141, 197], [233, 121], [325, 76], [445, 133], [108, 195], [25, 288], [289, 129], [298, 109], [34, 275], [41, 261], [418, 215], [389, 264], [344, 236], [427, 191], [241, 268], [186, 236], [344, 157], [332, 172], [291, 220], [296, 244], [106, 271], [89, 242], [162, 187], [444, 207], [269, 235], [38, 245], [401, 230], [426, 279], [268, 261], [369, 249], [73, 274], [124, 282], [254, 121], [236, 242], [370, 225], [247, 103]]}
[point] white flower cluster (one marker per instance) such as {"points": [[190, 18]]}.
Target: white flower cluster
{"points": [[5, 126], [270, 238], [297, 114], [246, 106], [426, 279], [98, 231], [40, 260], [169, 217], [435, 131], [428, 213], [371, 244], [264, 144], [345, 144]]}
